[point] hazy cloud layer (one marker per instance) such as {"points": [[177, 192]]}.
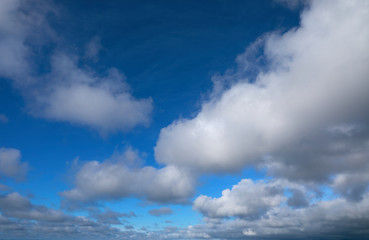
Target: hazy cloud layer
{"points": [[68, 92], [317, 78], [10, 164]]}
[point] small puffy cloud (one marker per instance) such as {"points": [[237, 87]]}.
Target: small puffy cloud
{"points": [[161, 211], [247, 199], [10, 164], [316, 78], [111, 179]]}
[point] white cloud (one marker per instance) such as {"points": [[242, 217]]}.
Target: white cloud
{"points": [[317, 78], [115, 180], [10, 164]]}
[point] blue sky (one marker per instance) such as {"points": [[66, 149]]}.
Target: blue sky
{"points": [[184, 119]]}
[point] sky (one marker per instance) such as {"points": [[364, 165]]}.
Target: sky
{"points": [[215, 119]]}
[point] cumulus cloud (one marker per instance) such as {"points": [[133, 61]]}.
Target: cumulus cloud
{"points": [[10, 164], [68, 92], [111, 179], [161, 211], [316, 78]]}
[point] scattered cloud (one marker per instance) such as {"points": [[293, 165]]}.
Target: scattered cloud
{"points": [[161, 211]]}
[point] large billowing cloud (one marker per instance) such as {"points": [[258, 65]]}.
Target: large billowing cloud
{"points": [[68, 92], [116, 179], [316, 78]]}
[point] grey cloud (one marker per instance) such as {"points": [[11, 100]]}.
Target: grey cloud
{"points": [[110, 180], [161, 211], [351, 186], [293, 98], [10, 164], [298, 199]]}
